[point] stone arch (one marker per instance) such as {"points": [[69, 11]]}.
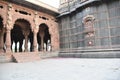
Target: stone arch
{"points": [[53, 29], [30, 21], [44, 37], [25, 23], [47, 24], [23, 30]]}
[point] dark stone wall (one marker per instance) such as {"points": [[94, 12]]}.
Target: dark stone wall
{"points": [[106, 26]]}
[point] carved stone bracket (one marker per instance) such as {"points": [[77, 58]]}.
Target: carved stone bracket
{"points": [[36, 19], [36, 28]]}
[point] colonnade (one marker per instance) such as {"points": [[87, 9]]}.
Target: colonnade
{"points": [[9, 16], [6, 39]]}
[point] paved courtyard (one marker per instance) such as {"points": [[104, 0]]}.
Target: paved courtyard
{"points": [[62, 69]]}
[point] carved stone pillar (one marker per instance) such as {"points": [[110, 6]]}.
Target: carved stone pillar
{"points": [[42, 34], [35, 42], [26, 43], [35, 31], [26, 33], [42, 40], [9, 27], [8, 40]]}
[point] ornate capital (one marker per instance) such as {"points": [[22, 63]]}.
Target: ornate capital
{"points": [[36, 13], [35, 30], [9, 7], [36, 19]]}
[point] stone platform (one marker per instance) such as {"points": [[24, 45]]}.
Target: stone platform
{"points": [[26, 57], [91, 55]]}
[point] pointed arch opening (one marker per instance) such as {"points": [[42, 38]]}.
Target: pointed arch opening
{"points": [[44, 38], [21, 36]]}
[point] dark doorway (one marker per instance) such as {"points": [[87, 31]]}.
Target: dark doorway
{"points": [[44, 38], [21, 35]]}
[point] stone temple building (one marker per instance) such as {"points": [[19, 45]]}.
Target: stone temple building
{"points": [[21, 20], [27, 26], [89, 28], [80, 28]]}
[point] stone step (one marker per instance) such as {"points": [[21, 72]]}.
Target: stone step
{"points": [[5, 58], [25, 57], [114, 54], [44, 55]]}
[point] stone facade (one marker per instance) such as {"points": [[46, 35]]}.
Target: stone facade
{"points": [[14, 16], [89, 26]]}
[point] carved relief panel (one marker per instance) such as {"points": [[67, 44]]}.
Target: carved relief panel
{"points": [[89, 34]]}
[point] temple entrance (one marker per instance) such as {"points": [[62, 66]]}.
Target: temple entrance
{"points": [[44, 38], [21, 36]]}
